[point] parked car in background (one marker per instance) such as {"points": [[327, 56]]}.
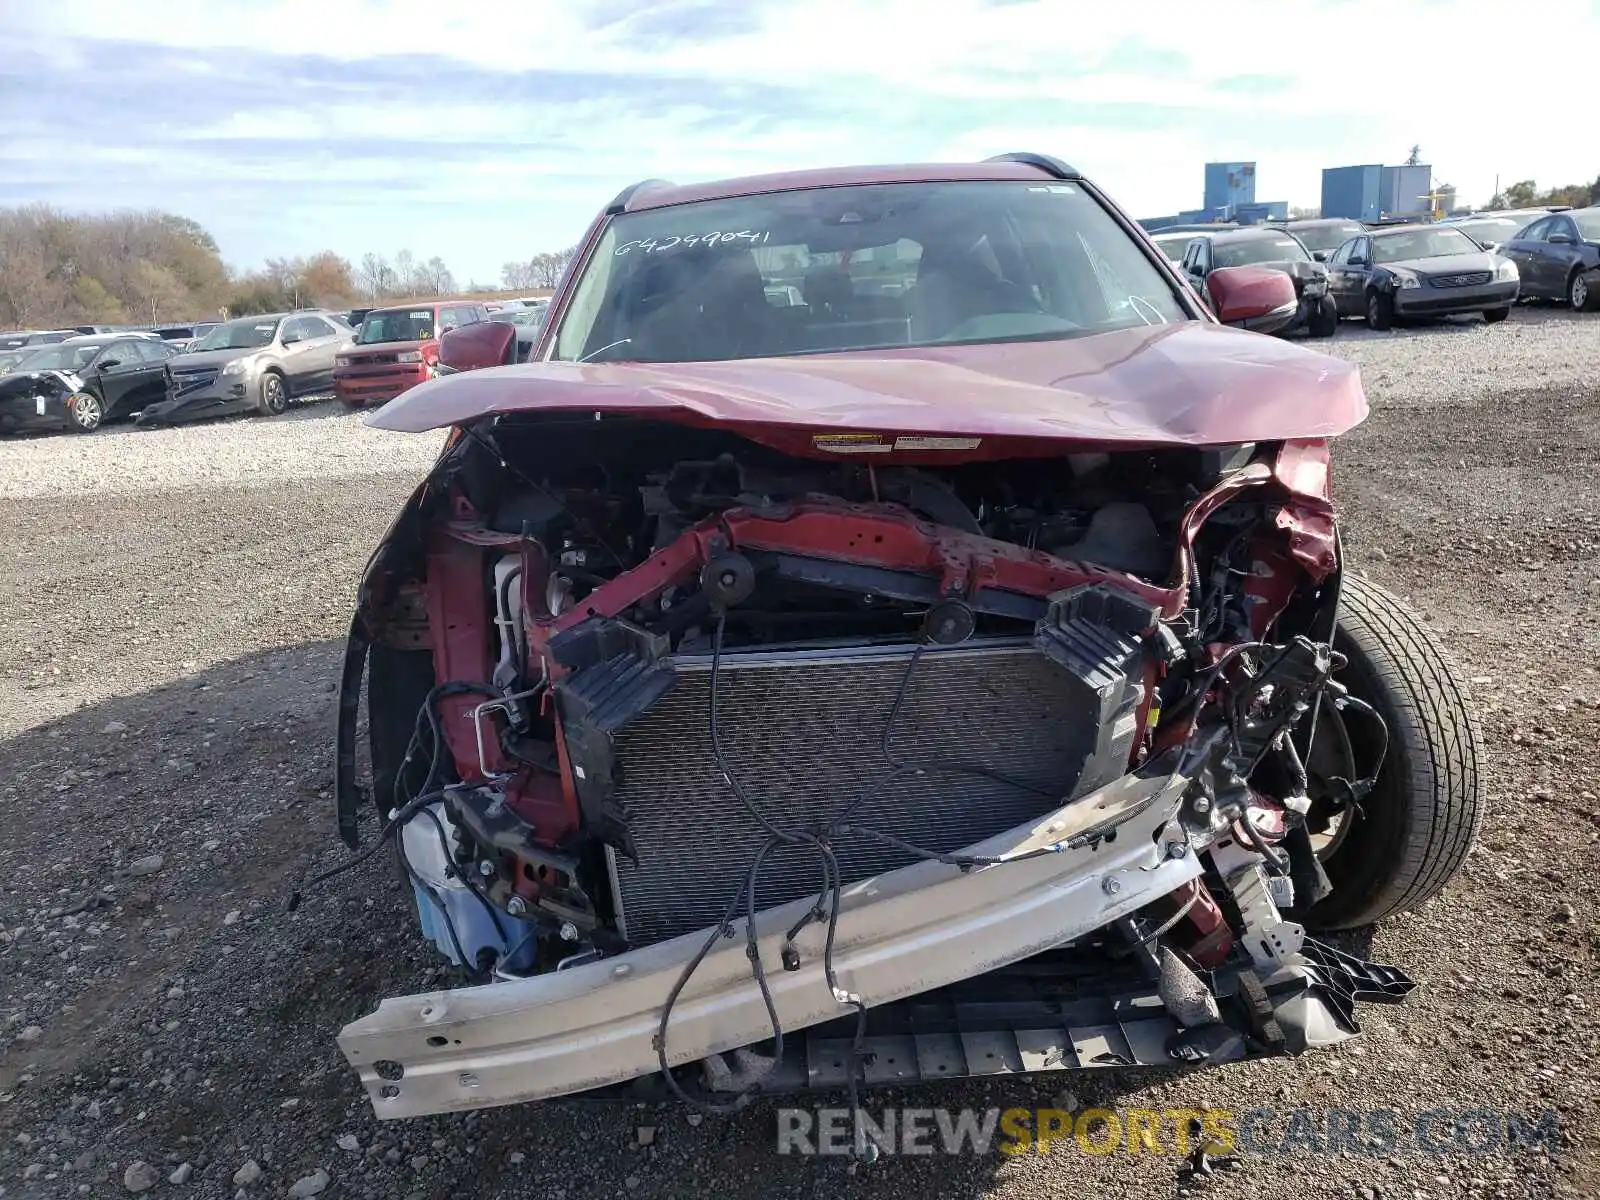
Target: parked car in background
{"points": [[82, 382], [1558, 258], [397, 348], [1266, 247], [1404, 271], [1322, 235], [527, 322], [22, 339], [258, 363], [1173, 243], [10, 358], [1491, 230]]}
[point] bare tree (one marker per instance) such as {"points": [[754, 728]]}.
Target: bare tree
{"points": [[437, 276], [376, 277], [518, 276], [155, 289]]}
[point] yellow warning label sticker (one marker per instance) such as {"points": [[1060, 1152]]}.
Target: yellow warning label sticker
{"points": [[851, 443]]}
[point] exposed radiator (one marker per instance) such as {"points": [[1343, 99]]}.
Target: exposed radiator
{"points": [[802, 731]]}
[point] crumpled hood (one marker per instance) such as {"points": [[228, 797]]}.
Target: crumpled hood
{"points": [[24, 382], [1193, 383], [212, 358]]}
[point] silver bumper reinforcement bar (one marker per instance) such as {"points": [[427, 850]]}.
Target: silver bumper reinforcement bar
{"points": [[899, 933]]}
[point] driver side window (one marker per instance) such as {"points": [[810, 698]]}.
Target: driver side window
{"points": [[1342, 254], [118, 354], [1537, 231]]}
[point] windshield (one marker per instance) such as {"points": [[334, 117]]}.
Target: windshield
{"points": [[1173, 245], [524, 316], [877, 266], [1588, 224], [1438, 242], [247, 333], [1282, 248], [1496, 229], [10, 358], [397, 325], [1326, 237], [60, 357]]}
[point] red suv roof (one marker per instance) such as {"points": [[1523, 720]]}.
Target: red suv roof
{"points": [[658, 193]]}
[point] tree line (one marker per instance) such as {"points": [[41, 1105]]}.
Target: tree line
{"points": [[540, 271], [1527, 194], [59, 269]]}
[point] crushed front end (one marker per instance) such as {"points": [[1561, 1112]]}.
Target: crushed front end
{"points": [[726, 768]]}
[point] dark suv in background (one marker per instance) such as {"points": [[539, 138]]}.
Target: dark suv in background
{"points": [[1558, 258]]}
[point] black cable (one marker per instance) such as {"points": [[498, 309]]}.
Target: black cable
{"points": [[1277, 861], [829, 900], [400, 817], [1165, 927], [466, 882]]}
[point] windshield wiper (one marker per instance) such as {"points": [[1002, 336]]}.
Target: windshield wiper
{"points": [[609, 346]]}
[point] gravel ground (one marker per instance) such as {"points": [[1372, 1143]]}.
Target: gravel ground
{"points": [[170, 610]]}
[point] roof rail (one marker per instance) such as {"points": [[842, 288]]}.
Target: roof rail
{"points": [[620, 204], [1050, 166]]}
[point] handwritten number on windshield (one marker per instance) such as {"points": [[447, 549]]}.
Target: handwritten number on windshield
{"points": [[715, 238]]}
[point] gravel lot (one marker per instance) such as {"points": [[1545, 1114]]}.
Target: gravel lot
{"points": [[170, 609]]}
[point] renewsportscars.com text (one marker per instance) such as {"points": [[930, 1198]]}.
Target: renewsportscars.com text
{"points": [[1178, 1131]]}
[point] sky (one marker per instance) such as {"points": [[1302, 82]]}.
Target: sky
{"points": [[490, 131]]}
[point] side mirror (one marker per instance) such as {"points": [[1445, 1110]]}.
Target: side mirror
{"points": [[484, 344], [107, 363], [1560, 239], [1257, 298], [290, 339], [444, 329], [1320, 255], [1357, 260]]}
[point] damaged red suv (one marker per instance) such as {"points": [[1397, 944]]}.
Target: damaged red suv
{"points": [[890, 631]]}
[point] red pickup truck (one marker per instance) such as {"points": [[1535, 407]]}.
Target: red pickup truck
{"points": [[398, 348]]}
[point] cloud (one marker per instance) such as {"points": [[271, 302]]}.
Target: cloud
{"points": [[488, 132]]}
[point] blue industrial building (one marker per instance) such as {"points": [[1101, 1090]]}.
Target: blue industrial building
{"points": [[1230, 195], [1353, 192], [1230, 184], [1372, 192]]}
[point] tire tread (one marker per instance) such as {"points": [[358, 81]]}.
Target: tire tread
{"points": [[1438, 740]]}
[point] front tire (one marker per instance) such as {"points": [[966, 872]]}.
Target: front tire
{"points": [[86, 412], [1417, 825], [274, 397], [1581, 295], [1380, 310], [1325, 320], [1493, 316]]}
